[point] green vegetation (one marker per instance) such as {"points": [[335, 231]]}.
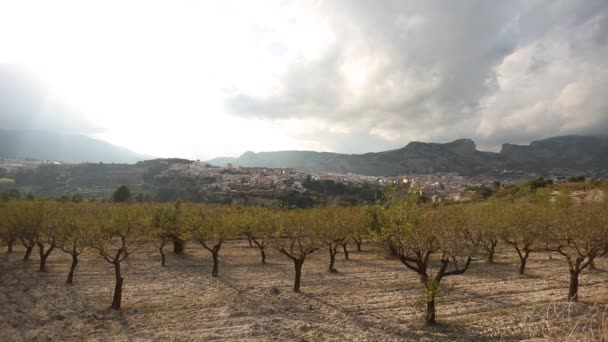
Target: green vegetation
{"points": [[483, 192], [157, 181], [576, 179], [122, 194], [6, 182], [539, 183], [433, 240], [9, 194]]}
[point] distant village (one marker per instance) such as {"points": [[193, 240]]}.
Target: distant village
{"points": [[233, 178], [436, 187]]}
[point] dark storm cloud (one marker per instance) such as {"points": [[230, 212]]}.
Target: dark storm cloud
{"points": [[25, 104], [439, 70]]}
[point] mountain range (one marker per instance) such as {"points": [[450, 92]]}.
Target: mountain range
{"points": [[564, 154], [572, 154], [68, 148]]}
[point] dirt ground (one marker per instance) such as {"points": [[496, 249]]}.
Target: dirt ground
{"points": [[371, 298]]}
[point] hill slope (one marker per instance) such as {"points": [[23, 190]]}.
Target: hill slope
{"points": [[21, 144], [583, 154], [574, 152]]}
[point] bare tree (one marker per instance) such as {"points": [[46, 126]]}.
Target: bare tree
{"points": [[26, 219], [416, 234], [580, 235], [76, 225], [7, 231], [332, 222], [358, 226], [50, 232], [166, 226], [120, 232], [351, 223], [297, 237], [482, 219], [260, 223], [211, 226], [523, 225]]}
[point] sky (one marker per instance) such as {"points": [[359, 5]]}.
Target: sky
{"points": [[201, 79]]}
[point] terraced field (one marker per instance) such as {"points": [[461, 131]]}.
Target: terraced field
{"points": [[371, 298]]}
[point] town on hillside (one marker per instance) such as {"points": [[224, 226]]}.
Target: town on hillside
{"points": [[169, 179]]}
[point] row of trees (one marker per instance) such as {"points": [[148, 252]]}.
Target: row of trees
{"points": [[115, 230], [435, 242], [457, 235]]}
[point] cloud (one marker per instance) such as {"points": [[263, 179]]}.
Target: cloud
{"points": [[346, 75], [397, 71], [25, 104]]}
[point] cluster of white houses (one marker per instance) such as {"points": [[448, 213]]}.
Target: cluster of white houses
{"points": [[232, 177]]}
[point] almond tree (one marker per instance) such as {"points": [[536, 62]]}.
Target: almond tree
{"points": [[7, 232], [211, 226], [523, 225], [26, 219], [358, 226], [481, 218], [352, 223], [333, 226], [167, 226], [49, 233], [245, 223], [260, 223], [418, 234], [297, 237], [179, 233], [376, 222], [76, 224], [266, 221], [120, 232], [580, 236]]}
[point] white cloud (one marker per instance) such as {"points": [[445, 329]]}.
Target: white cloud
{"points": [[439, 71], [201, 79]]}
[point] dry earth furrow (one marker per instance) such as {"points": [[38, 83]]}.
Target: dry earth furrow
{"points": [[371, 298]]}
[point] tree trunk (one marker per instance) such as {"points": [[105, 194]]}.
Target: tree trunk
{"points": [[394, 249], [431, 285], [345, 251], [298, 266], [178, 246], [28, 251], [215, 271], [72, 269], [573, 290], [430, 310], [249, 240], [124, 251], [116, 301], [262, 247], [522, 264], [44, 256], [358, 243], [9, 245], [162, 255], [332, 258], [492, 251]]}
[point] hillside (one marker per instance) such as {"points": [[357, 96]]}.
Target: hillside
{"points": [[22, 144], [458, 156], [565, 155], [567, 152]]}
